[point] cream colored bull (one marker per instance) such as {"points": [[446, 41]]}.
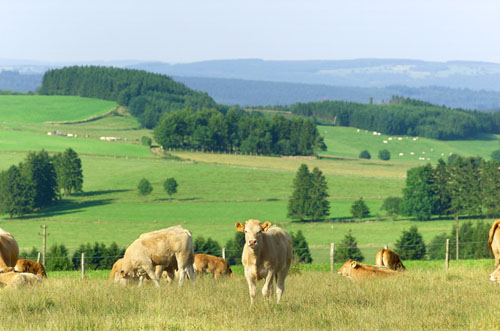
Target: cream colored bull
{"points": [[494, 241], [9, 251], [267, 255]]}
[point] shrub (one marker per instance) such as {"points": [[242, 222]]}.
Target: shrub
{"points": [[392, 206], [147, 141], [97, 257], [57, 259], [359, 209], [144, 187], [411, 246], [209, 246], [384, 155], [234, 248], [348, 249], [365, 155], [495, 155]]}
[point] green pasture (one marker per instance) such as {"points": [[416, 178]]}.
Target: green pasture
{"points": [[349, 142], [215, 190], [40, 108]]}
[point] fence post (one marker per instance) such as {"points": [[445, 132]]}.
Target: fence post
{"points": [[44, 243], [332, 258], [83, 266], [386, 247], [38, 258], [447, 257], [224, 253]]}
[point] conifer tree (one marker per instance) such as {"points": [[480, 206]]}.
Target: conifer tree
{"points": [[359, 209], [319, 205], [348, 249], [69, 171], [300, 247], [234, 248], [300, 202], [411, 246], [16, 195], [40, 173]]}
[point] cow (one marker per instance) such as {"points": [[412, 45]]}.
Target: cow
{"points": [[387, 258], [495, 275], [211, 264], [9, 251], [30, 266], [168, 273], [494, 241], [18, 279], [355, 270], [159, 248], [267, 254]]}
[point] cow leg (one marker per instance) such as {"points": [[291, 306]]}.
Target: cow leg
{"points": [[280, 284], [151, 273], [268, 284], [184, 265], [191, 272], [158, 271], [252, 288], [497, 260]]}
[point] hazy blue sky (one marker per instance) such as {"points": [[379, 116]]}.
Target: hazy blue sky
{"points": [[194, 30]]}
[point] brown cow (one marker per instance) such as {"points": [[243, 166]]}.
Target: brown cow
{"points": [[18, 279], [495, 275], [161, 248], [494, 241], [355, 270], [387, 258], [9, 251], [33, 267], [212, 264], [267, 254]]}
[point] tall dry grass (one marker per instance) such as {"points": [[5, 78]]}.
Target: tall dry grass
{"points": [[462, 299]]}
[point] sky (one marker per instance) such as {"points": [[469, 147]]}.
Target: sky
{"points": [[197, 30]]}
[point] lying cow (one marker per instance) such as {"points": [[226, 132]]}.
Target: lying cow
{"points": [[18, 279], [267, 254], [30, 266], [159, 248], [494, 241], [9, 251], [355, 270], [387, 258], [495, 275], [204, 263]]}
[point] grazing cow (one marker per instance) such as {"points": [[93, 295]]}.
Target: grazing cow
{"points": [[30, 266], [159, 248], [387, 258], [168, 273], [18, 279], [212, 264], [494, 241], [495, 275], [355, 270], [267, 254], [9, 251]]}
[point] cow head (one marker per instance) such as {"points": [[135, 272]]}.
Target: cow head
{"points": [[495, 276], [253, 230], [347, 267]]}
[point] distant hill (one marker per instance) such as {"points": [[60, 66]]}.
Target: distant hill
{"points": [[252, 93], [359, 73]]}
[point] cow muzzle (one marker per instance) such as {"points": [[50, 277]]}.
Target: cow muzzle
{"points": [[252, 243]]}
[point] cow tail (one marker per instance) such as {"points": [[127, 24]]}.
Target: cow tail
{"points": [[492, 234]]}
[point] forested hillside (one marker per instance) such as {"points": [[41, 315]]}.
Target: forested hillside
{"points": [[148, 95], [402, 117]]}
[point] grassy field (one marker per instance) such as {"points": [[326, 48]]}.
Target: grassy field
{"points": [[215, 190], [460, 299]]}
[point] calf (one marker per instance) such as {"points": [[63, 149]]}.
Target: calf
{"points": [[212, 264], [18, 279], [30, 266], [355, 270], [267, 254]]}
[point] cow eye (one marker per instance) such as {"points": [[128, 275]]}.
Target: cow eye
{"points": [[246, 231]]}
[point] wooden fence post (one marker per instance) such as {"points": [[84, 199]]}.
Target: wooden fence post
{"points": [[224, 253], [332, 258], [38, 258], [386, 247], [44, 243], [83, 266], [447, 256]]}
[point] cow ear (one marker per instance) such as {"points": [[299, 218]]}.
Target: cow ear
{"points": [[354, 264], [266, 226], [240, 227], [122, 272]]}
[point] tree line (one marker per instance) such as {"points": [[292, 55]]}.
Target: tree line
{"points": [[460, 187], [238, 131], [39, 181], [402, 116]]}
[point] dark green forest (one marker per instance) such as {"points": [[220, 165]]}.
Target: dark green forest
{"points": [[148, 95], [402, 116]]}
